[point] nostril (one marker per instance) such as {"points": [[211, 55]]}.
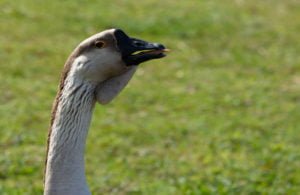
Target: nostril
{"points": [[138, 44]]}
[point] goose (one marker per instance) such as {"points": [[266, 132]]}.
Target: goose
{"points": [[96, 71]]}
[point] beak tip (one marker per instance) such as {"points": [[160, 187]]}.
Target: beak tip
{"points": [[159, 46]]}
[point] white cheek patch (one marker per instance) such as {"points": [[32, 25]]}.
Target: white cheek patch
{"points": [[109, 89]]}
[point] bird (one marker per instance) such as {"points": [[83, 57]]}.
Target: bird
{"points": [[96, 71]]}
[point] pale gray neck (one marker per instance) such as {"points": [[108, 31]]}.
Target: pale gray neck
{"points": [[65, 173]]}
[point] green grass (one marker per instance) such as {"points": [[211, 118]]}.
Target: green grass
{"points": [[219, 115]]}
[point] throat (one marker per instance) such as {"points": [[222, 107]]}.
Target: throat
{"points": [[65, 172]]}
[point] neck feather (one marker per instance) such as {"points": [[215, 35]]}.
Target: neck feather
{"points": [[65, 157]]}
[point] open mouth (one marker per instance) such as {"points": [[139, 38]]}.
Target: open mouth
{"points": [[151, 52], [135, 51]]}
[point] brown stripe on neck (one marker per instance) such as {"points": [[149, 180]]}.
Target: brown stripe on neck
{"points": [[64, 74]]}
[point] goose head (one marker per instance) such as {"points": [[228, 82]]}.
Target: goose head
{"points": [[111, 53], [109, 59]]}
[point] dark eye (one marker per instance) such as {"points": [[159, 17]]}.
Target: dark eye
{"points": [[99, 44]]}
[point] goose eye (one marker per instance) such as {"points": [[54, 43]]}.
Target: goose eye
{"points": [[100, 44]]}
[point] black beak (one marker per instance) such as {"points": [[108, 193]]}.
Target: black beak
{"points": [[135, 51]]}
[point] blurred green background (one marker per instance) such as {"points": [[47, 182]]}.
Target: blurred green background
{"points": [[219, 115]]}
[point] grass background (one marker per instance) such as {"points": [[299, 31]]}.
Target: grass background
{"points": [[219, 115]]}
